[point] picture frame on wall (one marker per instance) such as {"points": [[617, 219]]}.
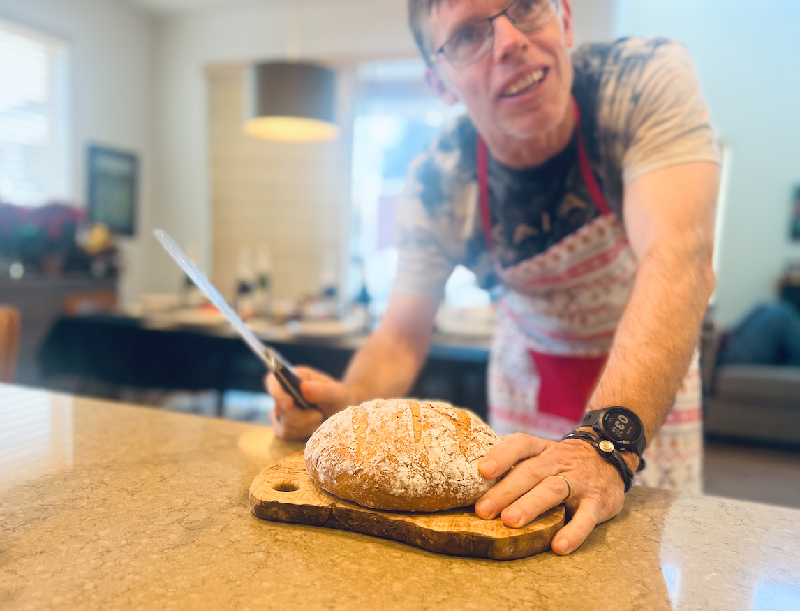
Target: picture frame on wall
{"points": [[113, 188], [795, 222]]}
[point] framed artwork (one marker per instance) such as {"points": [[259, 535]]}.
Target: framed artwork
{"points": [[795, 222], [113, 177]]}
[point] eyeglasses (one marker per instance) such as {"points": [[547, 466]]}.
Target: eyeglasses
{"points": [[474, 41]]}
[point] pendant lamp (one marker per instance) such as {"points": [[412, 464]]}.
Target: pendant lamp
{"points": [[291, 102]]}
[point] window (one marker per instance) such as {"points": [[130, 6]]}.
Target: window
{"points": [[395, 117], [34, 137]]}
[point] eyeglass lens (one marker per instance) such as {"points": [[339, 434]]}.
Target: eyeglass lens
{"points": [[474, 41]]}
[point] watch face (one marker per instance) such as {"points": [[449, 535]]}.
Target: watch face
{"points": [[621, 426]]}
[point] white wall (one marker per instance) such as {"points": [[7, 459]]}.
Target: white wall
{"points": [[748, 55], [370, 29], [112, 93]]}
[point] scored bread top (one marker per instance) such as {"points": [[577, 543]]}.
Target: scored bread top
{"points": [[401, 454]]}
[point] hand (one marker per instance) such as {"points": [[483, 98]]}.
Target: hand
{"points": [[531, 486], [292, 423]]}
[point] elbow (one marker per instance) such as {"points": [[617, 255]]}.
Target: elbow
{"points": [[692, 252]]}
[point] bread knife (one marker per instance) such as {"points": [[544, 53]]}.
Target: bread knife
{"points": [[283, 371]]}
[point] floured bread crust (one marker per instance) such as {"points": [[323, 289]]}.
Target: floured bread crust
{"points": [[401, 454]]}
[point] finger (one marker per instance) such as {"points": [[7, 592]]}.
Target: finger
{"points": [[521, 479], [283, 405], [509, 452], [308, 373], [331, 396], [574, 533], [289, 422], [271, 384], [283, 401], [277, 424], [298, 425], [548, 493]]}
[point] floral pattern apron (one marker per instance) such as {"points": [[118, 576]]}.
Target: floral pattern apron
{"points": [[555, 326]]}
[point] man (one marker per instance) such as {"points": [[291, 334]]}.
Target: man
{"points": [[586, 187]]}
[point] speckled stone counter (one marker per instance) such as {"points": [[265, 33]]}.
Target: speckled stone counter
{"points": [[108, 506]]}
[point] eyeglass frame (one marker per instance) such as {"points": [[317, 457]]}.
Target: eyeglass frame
{"points": [[434, 57]]}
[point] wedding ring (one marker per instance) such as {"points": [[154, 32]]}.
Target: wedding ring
{"points": [[569, 483]]}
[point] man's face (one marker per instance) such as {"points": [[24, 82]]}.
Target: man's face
{"points": [[487, 87]]}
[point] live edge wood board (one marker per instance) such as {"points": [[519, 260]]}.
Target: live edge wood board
{"points": [[285, 492]]}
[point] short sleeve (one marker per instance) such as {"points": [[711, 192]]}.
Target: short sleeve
{"points": [[424, 261], [669, 122]]}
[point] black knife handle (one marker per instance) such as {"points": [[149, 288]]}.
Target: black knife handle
{"points": [[291, 383]]}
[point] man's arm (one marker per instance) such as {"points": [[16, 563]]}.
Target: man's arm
{"points": [[389, 361], [669, 217], [669, 214]]}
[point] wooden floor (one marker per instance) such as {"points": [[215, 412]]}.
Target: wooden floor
{"points": [[750, 473]]}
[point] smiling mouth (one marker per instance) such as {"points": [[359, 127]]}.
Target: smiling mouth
{"points": [[525, 84]]}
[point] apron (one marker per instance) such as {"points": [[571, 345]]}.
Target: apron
{"points": [[555, 325]]}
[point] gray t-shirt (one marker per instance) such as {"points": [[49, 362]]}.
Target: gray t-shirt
{"points": [[641, 109]]}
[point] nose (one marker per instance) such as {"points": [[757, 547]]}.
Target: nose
{"points": [[508, 40]]}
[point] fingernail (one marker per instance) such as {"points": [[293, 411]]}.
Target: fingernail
{"points": [[485, 508], [488, 467], [562, 546], [513, 515]]}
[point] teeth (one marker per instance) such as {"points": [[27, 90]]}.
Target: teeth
{"points": [[525, 83]]}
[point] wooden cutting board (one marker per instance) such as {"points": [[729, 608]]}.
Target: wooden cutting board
{"points": [[285, 492]]}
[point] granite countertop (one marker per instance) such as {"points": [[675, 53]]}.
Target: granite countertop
{"points": [[111, 506]]}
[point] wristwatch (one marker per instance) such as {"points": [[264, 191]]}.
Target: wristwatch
{"points": [[620, 426], [607, 450]]}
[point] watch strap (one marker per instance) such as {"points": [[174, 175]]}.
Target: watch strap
{"points": [[590, 417], [613, 456]]}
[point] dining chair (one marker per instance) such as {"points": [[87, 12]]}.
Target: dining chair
{"points": [[9, 342]]}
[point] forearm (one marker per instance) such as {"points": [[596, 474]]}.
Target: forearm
{"points": [[657, 336], [385, 366]]}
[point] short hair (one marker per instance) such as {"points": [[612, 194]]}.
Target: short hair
{"points": [[418, 11]]}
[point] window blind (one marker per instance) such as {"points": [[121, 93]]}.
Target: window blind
{"points": [[34, 117]]}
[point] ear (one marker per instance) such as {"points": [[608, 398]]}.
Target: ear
{"points": [[439, 87], [566, 19]]}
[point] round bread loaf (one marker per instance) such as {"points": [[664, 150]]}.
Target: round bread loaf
{"points": [[401, 454]]}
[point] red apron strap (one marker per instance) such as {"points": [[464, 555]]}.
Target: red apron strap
{"points": [[583, 161], [586, 167]]}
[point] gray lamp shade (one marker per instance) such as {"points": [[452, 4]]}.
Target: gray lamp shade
{"points": [[291, 101]]}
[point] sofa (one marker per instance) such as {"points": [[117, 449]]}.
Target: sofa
{"points": [[757, 403]]}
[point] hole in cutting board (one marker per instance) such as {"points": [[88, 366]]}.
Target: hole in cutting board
{"points": [[286, 487]]}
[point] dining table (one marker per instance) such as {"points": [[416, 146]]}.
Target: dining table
{"points": [[105, 505]]}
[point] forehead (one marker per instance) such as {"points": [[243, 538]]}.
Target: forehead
{"points": [[447, 15]]}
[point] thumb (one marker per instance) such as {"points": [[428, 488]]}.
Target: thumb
{"points": [[330, 396], [574, 533]]}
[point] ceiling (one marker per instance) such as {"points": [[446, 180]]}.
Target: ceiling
{"points": [[180, 7], [175, 7]]}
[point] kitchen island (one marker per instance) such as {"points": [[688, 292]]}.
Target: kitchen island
{"points": [[111, 506]]}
